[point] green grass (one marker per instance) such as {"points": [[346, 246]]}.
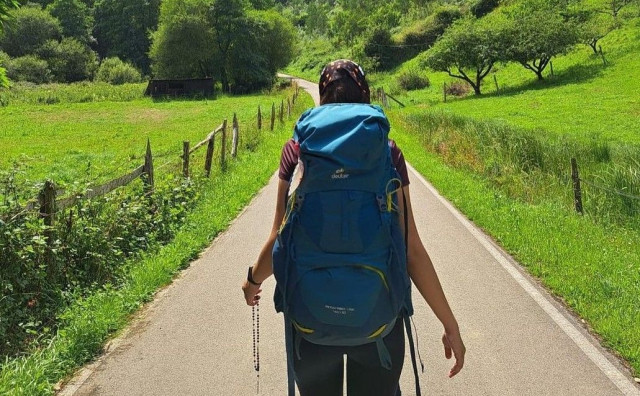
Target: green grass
{"points": [[595, 269], [80, 92], [96, 141], [584, 98], [88, 323]]}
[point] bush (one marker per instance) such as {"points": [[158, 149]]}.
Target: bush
{"points": [[69, 60], [93, 242], [424, 33], [117, 72], [382, 51], [458, 88], [412, 79], [482, 7], [29, 68]]}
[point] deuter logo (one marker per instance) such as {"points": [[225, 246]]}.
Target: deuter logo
{"points": [[340, 174]]}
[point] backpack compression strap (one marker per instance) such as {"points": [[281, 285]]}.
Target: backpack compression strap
{"points": [[288, 336], [406, 318]]}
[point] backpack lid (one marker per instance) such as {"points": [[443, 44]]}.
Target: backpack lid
{"points": [[344, 147]]}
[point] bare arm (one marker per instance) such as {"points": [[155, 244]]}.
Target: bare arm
{"points": [[425, 278], [263, 267]]}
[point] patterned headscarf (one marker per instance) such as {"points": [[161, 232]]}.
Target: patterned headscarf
{"points": [[331, 73]]}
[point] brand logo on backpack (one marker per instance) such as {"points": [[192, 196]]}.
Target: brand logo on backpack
{"points": [[340, 174]]}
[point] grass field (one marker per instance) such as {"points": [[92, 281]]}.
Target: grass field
{"points": [[95, 141], [584, 98], [593, 267]]}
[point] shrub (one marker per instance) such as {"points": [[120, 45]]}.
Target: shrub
{"points": [[69, 60], [29, 68], [412, 79], [482, 7], [93, 241], [117, 72], [458, 88], [424, 33]]}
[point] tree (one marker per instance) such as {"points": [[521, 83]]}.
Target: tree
{"points": [[122, 29], [31, 28], [613, 7], [5, 7], [468, 51], [228, 20], [182, 47], [536, 34], [264, 47], [593, 27], [75, 18]]}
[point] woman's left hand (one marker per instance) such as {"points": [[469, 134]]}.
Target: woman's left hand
{"points": [[453, 345], [251, 293]]}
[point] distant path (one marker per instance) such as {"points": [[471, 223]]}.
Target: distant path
{"points": [[195, 338]]}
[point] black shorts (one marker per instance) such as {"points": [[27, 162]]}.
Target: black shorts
{"points": [[320, 369]]}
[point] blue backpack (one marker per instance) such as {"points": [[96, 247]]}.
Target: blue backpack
{"points": [[340, 256]]}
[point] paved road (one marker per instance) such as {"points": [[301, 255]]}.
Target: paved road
{"points": [[196, 339]]}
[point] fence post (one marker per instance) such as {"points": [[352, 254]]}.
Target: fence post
{"points": [[47, 199], [495, 80], [185, 159], [209, 158], [444, 91], [288, 107], [236, 132], [281, 114], [551, 65], [148, 168], [259, 118], [577, 192], [273, 114], [223, 150]]}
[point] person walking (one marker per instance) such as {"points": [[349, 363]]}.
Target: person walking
{"points": [[343, 247]]}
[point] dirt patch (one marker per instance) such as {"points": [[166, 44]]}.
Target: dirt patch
{"points": [[144, 115]]}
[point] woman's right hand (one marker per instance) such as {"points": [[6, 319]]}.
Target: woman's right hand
{"points": [[251, 293], [453, 345]]}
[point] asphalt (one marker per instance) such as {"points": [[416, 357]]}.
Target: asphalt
{"points": [[195, 338]]}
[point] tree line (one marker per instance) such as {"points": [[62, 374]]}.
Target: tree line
{"points": [[239, 43]]}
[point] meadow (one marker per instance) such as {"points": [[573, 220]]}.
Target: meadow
{"points": [[584, 98], [74, 141]]}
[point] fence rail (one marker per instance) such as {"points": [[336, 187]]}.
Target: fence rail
{"points": [[47, 203]]}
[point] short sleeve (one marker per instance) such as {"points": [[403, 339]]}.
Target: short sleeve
{"points": [[288, 160]]}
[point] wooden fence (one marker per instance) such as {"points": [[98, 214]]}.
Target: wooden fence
{"points": [[48, 202], [577, 182]]}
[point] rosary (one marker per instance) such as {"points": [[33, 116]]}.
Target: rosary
{"points": [[255, 318]]}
